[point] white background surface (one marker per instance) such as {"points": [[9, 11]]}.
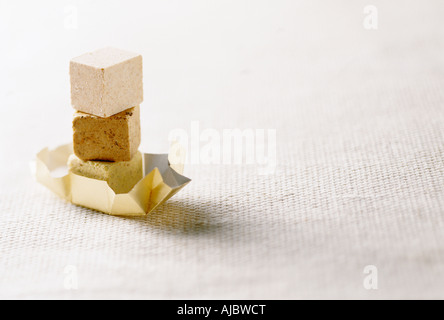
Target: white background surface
{"points": [[359, 178]]}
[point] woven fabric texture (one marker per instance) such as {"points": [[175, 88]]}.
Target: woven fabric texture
{"points": [[359, 176]]}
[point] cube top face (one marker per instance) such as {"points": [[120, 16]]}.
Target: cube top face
{"points": [[106, 82], [116, 138], [104, 58]]}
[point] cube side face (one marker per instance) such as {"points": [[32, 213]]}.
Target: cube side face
{"points": [[104, 139], [123, 176], [134, 129], [87, 88], [123, 86]]}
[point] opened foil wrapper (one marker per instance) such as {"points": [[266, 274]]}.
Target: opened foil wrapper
{"points": [[162, 179]]}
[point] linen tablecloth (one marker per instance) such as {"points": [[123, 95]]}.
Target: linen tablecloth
{"points": [[357, 104]]}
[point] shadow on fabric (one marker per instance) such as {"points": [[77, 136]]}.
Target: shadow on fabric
{"points": [[186, 217]]}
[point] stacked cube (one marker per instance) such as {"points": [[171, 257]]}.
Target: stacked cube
{"points": [[106, 91]]}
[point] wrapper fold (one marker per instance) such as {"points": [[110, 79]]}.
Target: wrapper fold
{"points": [[162, 179]]}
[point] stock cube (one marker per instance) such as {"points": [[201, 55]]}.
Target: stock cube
{"points": [[106, 82], [121, 176], [116, 138]]}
